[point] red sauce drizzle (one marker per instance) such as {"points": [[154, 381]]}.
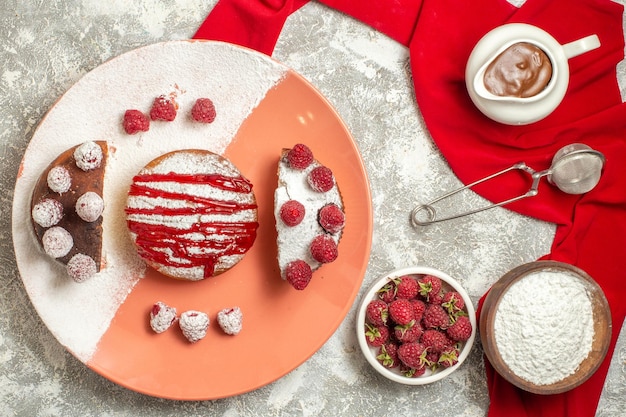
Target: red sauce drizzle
{"points": [[235, 238]]}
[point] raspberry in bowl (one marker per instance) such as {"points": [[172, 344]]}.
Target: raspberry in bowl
{"points": [[545, 326], [416, 325]]}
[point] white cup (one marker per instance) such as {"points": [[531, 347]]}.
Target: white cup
{"points": [[522, 110]]}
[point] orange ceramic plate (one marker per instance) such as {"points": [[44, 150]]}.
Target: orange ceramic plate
{"points": [[282, 327]]}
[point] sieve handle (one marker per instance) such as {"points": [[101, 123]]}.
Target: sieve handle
{"points": [[431, 212]]}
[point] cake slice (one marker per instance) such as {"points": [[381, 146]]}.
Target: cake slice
{"points": [[309, 215], [67, 205]]}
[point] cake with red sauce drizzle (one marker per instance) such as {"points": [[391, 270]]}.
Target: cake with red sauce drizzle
{"points": [[191, 214]]}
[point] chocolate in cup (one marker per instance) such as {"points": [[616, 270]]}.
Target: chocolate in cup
{"points": [[515, 98], [521, 70]]}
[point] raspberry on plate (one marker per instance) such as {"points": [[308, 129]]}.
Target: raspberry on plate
{"points": [[81, 267], [321, 179], [324, 249], [59, 179], [47, 212], [162, 317], [300, 156], [203, 111], [230, 320], [292, 213], [135, 122], [194, 325], [298, 273], [163, 108], [331, 218]]}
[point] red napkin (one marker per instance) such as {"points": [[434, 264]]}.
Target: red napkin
{"points": [[591, 229]]}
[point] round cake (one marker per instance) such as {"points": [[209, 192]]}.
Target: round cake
{"points": [[309, 215], [191, 214], [67, 206]]}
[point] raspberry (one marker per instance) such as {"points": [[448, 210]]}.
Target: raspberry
{"points": [[81, 267], [298, 273], [57, 242], [388, 292], [377, 312], [428, 285], [460, 330], [194, 325], [408, 333], [135, 122], [401, 312], [388, 355], [230, 320], [436, 297], [89, 206], [412, 355], [419, 307], [449, 357], [412, 372], [203, 111], [299, 157], [435, 317], [331, 218], [59, 179], [162, 317], [453, 302], [406, 287], [376, 335], [88, 156], [324, 249], [434, 340], [292, 213], [432, 358], [163, 109], [321, 179], [47, 212]]}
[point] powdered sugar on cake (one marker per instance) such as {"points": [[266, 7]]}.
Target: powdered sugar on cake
{"points": [[294, 242]]}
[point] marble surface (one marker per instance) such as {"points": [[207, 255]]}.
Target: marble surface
{"points": [[45, 47]]}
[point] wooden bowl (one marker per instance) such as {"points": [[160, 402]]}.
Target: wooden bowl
{"points": [[601, 319]]}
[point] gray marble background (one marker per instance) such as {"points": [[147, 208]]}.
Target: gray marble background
{"points": [[46, 46]]}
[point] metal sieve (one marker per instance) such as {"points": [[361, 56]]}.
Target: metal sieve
{"points": [[575, 169]]}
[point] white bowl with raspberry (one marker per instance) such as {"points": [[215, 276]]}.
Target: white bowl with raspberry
{"points": [[416, 325]]}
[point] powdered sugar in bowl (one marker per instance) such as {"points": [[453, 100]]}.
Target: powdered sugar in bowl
{"points": [[545, 326], [416, 325]]}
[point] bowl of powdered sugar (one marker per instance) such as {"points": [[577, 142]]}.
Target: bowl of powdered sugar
{"points": [[545, 326]]}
